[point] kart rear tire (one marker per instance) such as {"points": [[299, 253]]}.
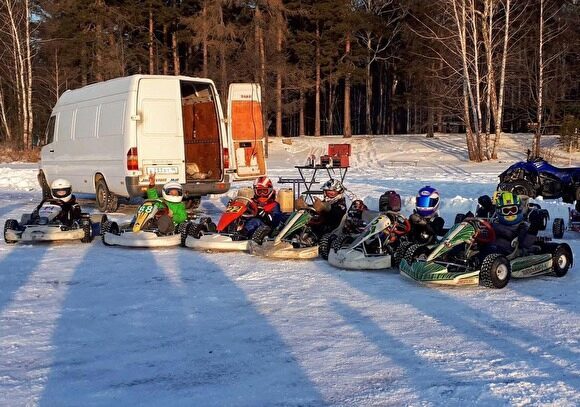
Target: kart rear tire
{"points": [[414, 252], [87, 230], [261, 233], [11, 224], [325, 244], [558, 228], [561, 260], [196, 230], [400, 253], [109, 227], [182, 231], [495, 271]]}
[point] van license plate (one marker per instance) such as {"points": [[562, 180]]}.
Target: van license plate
{"points": [[163, 170]]}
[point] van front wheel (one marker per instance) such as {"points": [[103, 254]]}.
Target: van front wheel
{"points": [[106, 201]]}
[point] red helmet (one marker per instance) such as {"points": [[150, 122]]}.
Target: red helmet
{"points": [[263, 189]]}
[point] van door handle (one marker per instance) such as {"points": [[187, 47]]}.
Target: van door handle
{"points": [[52, 151]]}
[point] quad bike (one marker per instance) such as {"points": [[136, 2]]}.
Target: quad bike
{"points": [[143, 230], [460, 260], [559, 227], [45, 226], [295, 240], [536, 177], [228, 234], [377, 247]]}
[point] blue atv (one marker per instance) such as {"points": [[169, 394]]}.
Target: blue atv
{"points": [[536, 177]]}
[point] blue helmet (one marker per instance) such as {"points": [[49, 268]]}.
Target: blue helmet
{"points": [[427, 202]]}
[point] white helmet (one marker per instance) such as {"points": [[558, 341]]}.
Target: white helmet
{"points": [[61, 189], [333, 190], [168, 194]]}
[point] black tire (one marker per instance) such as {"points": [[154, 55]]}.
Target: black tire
{"points": [[495, 271], [545, 217], [11, 224], [414, 252], [325, 244], [46, 192], [558, 228], [521, 187], [106, 201], [459, 218], [182, 230], [87, 230], [196, 230], [400, 253], [561, 260], [261, 233], [340, 241], [109, 227]]}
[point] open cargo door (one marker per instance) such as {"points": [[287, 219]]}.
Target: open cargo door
{"points": [[245, 126]]}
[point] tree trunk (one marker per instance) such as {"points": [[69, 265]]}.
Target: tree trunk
{"points": [[347, 133], [317, 85], [204, 40], [175, 50], [279, 72], [3, 116], [369, 90], [430, 122], [301, 131], [538, 132], [151, 50]]}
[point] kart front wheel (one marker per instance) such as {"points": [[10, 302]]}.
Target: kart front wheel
{"points": [[108, 227], [340, 241], [495, 271], [400, 253], [261, 233], [415, 252], [11, 224], [87, 230], [182, 231], [325, 244], [561, 260], [558, 228]]}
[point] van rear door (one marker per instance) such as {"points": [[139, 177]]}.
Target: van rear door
{"points": [[246, 129], [160, 130]]}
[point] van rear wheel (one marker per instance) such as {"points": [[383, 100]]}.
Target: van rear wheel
{"points": [[106, 200]]}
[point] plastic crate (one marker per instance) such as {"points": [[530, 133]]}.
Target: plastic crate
{"points": [[339, 149]]}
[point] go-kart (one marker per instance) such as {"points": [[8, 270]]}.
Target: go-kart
{"points": [[295, 240], [228, 234], [44, 225], [459, 259], [377, 247], [559, 227], [537, 177], [143, 230]]}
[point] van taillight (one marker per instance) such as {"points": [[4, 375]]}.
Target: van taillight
{"points": [[132, 159], [226, 158]]}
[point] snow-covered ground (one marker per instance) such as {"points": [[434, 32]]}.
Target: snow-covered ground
{"points": [[87, 325]]}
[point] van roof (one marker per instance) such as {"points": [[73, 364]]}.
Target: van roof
{"points": [[114, 87]]}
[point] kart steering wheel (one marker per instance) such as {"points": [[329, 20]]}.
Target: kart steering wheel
{"points": [[485, 232], [250, 205]]}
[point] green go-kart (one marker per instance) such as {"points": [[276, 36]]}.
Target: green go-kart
{"points": [[460, 258]]}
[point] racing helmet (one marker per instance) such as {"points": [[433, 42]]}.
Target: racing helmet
{"points": [[263, 189], [508, 208], [427, 202], [333, 190], [172, 192], [61, 189]]}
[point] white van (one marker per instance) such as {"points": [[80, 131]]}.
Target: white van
{"points": [[106, 138]]}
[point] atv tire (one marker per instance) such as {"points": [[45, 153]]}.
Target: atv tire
{"points": [[261, 233], [325, 244], [109, 227], [400, 253], [561, 260], [545, 217], [87, 230], [521, 187], [11, 224], [414, 252], [558, 228], [495, 271]]}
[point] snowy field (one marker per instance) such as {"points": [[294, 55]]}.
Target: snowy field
{"points": [[89, 325]]}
